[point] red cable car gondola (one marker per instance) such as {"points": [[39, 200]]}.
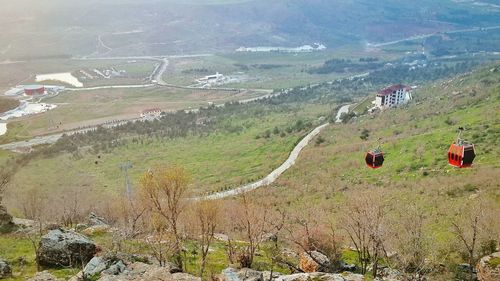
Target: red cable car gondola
{"points": [[375, 158], [461, 153]]}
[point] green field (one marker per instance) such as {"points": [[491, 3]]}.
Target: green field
{"points": [[264, 70], [86, 108]]}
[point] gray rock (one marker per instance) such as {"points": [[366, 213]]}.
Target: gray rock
{"points": [[487, 270], [320, 276], [250, 275], [96, 220], [116, 268], [390, 274], [94, 267], [44, 276], [140, 271], [314, 262], [245, 274], [65, 248], [347, 267], [81, 226], [5, 270], [110, 264]]}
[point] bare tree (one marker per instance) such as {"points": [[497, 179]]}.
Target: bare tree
{"points": [[364, 224], [472, 225], [253, 222], [130, 213], [207, 213], [164, 189], [162, 242], [310, 231], [410, 240], [4, 180]]}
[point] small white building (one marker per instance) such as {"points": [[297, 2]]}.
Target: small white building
{"points": [[392, 96], [151, 113]]}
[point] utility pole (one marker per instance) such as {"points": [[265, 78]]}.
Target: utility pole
{"points": [[128, 186]]}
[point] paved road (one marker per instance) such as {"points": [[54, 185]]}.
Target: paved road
{"points": [[32, 142], [53, 138], [423, 36], [158, 73], [109, 87]]}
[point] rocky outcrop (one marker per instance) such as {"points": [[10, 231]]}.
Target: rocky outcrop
{"points": [[321, 276], [110, 265], [95, 225], [96, 220], [65, 248], [44, 276], [245, 274], [488, 268], [314, 261], [5, 270], [140, 271]]}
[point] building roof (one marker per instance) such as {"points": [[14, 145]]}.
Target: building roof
{"points": [[151, 110], [33, 87], [389, 90]]}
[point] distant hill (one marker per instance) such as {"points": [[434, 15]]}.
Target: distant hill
{"points": [[70, 28]]}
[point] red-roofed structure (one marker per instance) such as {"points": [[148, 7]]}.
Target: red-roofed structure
{"points": [[393, 96], [151, 113], [32, 90]]}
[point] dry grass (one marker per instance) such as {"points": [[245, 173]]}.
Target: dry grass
{"points": [[7, 104]]}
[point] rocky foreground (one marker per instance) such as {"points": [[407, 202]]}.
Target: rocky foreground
{"points": [[68, 248]]}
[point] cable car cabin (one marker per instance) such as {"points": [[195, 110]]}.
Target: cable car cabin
{"points": [[374, 159], [461, 155]]}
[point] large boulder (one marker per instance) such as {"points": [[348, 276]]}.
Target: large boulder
{"points": [[488, 268], [44, 276], [5, 270], [314, 261], [60, 248], [140, 271]]}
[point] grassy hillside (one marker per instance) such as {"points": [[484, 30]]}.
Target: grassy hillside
{"points": [[415, 140], [7, 104], [240, 147], [416, 137]]}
